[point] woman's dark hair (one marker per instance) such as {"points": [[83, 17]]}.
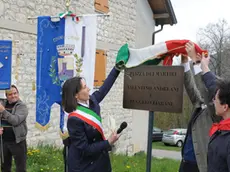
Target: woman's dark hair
{"points": [[69, 90]]}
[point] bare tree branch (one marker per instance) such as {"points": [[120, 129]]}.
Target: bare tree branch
{"points": [[215, 37]]}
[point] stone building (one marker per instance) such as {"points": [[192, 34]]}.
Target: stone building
{"points": [[130, 21]]}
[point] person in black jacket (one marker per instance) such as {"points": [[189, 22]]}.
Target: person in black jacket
{"points": [[195, 147], [88, 150], [219, 144]]}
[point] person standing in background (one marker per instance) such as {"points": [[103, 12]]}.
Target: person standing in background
{"points": [[13, 113]]}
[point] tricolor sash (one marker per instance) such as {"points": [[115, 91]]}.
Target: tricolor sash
{"points": [[90, 117]]}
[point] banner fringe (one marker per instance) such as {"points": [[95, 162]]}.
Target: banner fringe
{"points": [[42, 128]]}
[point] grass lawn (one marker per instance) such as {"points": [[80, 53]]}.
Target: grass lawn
{"points": [[48, 159], [138, 164], [160, 145]]}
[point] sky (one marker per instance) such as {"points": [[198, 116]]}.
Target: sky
{"points": [[192, 15]]}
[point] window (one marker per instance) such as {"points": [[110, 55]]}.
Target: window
{"points": [[101, 6], [100, 68]]}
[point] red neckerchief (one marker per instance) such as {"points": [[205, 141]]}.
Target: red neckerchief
{"points": [[223, 125]]}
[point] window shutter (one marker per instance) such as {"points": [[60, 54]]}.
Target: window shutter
{"points": [[102, 6], [100, 68]]}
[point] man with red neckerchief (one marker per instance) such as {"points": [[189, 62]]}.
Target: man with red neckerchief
{"points": [[219, 144]]}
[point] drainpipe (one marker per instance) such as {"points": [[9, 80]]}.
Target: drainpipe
{"points": [[150, 124], [153, 36]]}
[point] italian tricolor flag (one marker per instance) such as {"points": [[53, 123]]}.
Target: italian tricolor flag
{"points": [[90, 117], [129, 57]]}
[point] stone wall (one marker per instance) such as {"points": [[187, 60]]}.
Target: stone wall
{"points": [[112, 32]]}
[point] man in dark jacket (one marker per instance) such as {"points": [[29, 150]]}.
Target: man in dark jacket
{"points": [[194, 150], [219, 144], [13, 113]]}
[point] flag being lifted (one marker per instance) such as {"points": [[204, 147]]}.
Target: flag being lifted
{"points": [[154, 54]]}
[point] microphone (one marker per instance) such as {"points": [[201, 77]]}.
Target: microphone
{"points": [[122, 127]]}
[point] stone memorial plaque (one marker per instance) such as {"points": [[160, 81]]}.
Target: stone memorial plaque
{"points": [[154, 88]]}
